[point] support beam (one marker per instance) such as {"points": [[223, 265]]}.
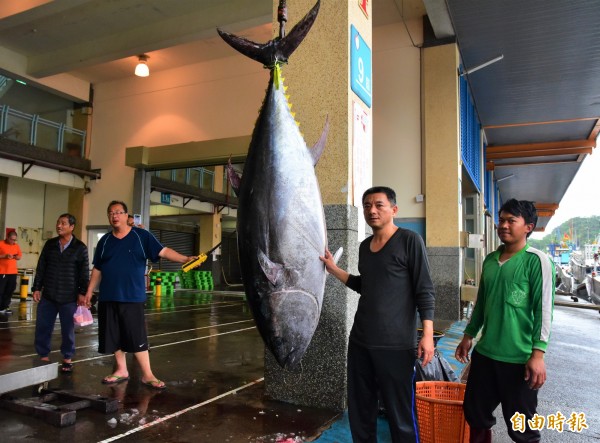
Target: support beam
{"points": [[546, 209], [491, 166], [547, 206], [540, 149], [548, 122], [595, 131], [192, 154], [545, 213]]}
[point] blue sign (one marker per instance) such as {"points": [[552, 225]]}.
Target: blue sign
{"points": [[360, 67], [165, 198]]}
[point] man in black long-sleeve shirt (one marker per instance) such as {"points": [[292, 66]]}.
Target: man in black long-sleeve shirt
{"points": [[61, 281], [394, 284]]}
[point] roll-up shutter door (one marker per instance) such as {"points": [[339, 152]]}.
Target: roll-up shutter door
{"points": [[182, 242]]}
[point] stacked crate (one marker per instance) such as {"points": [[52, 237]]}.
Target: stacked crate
{"points": [[201, 280], [204, 280], [167, 281], [186, 279]]}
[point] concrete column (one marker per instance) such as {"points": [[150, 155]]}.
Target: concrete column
{"points": [[141, 195], [75, 207], [3, 196], [441, 141], [318, 85], [209, 237], [210, 229]]}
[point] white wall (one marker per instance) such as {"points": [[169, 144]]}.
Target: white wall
{"points": [[57, 202], [34, 206], [221, 98], [204, 101], [397, 114]]}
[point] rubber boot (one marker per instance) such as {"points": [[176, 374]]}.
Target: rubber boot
{"points": [[479, 435]]}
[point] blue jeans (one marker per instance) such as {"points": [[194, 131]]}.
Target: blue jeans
{"points": [[44, 325]]}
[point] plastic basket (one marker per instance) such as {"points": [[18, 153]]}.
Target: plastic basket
{"points": [[440, 412]]}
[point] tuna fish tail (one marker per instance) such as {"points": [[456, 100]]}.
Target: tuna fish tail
{"points": [[275, 51]]}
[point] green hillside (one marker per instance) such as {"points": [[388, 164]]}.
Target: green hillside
{"points": [[580, 230]]}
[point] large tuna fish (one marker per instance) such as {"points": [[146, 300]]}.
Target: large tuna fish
{"points": [[280, 226]]}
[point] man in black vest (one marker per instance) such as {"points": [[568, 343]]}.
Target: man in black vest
{"points": [[61, 281]]}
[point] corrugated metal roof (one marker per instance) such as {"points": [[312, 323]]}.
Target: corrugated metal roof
{"points": [[542, 100]]}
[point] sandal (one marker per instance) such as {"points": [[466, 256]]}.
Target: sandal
{"points": [[66, 367], [155, 384], [114, 379]]}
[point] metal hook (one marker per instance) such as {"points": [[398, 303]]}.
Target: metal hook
{"points": [[282, 17]]}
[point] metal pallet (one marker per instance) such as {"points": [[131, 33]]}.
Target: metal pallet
{"points": [[64, 414]]}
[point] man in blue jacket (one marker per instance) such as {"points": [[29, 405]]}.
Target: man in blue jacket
{"points": [[61, 281]]}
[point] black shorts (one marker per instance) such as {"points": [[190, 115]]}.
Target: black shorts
{"points": [[121, 326]]}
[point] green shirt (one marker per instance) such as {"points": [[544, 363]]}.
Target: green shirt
{"points": [[514, 305]]}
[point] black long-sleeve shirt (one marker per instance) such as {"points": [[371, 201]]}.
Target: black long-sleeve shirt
{"points": [[61, 276], [394, 283]]}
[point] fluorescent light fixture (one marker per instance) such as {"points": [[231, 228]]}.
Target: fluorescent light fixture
{"points": [[141, 70], [498, 180], [483, 65]]}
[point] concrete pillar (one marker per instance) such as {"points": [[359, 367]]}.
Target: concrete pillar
{"points": [[209, 237], [317, 77], [441, 141], [210, 229], [141, 195], [75, 207], [3, 196]]}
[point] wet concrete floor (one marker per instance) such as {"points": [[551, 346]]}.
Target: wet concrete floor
{"points": [[203, 345], [207, 350], [571, 387]]}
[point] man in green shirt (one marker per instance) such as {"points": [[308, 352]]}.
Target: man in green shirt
{"points": [[514, 313]]}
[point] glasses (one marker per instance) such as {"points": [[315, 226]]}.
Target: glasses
{"points": [[110, 214]]}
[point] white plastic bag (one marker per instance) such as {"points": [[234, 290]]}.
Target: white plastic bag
{"points": [[83, 316]]}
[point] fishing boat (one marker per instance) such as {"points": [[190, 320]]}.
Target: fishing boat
{"points": [[585, 269], [564, 279], [592, 284]]}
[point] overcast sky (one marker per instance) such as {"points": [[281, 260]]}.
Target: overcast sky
{"points": [[582, 198]]}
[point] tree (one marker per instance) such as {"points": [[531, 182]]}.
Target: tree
{"points": [[578, 231]]}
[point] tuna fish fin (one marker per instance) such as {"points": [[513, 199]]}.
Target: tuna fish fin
{"points": [[233, 177], [319, 146], [277, 50], [338, 254], [273, 271]]}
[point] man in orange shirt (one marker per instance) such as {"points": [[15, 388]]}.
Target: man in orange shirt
{"points": [[10, 252]]}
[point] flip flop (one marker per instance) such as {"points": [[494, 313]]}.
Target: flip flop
{"points": [[66, 367], [114, 379], [155, 384]]}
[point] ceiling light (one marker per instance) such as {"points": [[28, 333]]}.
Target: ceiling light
{"points": [[141, 70]]}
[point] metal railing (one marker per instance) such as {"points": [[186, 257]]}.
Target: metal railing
{"points": [[199, 177], [37, 131]]}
